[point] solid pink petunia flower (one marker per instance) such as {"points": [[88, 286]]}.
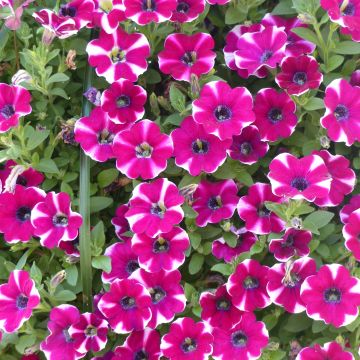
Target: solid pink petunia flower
{"points": [[126, 306], [120, 223], [223, 111], [14, 103], [15, 213], [167, 295], [218, 309], [108, 15], [59, 344], [54, 221], [274, 114], [143, 150], [185, 56], [285, 281], [89, 333], [294, 242], [155, 207], [196, 150], [332, 295], [187, 339], [330, 351], [342, 103], [349, 208], [139, 345], [163, 252], [245, 340], [251, 209], [18, 298], [343, 178], [355, 78], [244, 242], [304, 178], [96, 133], [187, 10], [146, 11], [248, 147], [81, 11], [124, 102], [119, 55], [263, 48], [215, 201], [299, 74], [247, 286], [351, 233]]}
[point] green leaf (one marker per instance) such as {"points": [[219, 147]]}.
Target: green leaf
{"points": [[173, 119], [36, 274], [314, 104], [347, 48], [189, 291], [234, 15], [230, 238], [106, 177], [98, 203], [4, 36], [195, 239], [297, 323], [47, 166], [59, 77], [306, 34], [284, 8], [196, 263], [177, 98], [189, 212], [98, 237], [24, 342], [270, 321], [318, 326], [319, 218], [59, 92], [36, 138], [22, 261], [334, 62], [278, 209], [152, 77], [225, 269], [72, 275], [102, 262], [64, 296]]}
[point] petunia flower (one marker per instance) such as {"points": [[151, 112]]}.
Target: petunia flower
{"points": [[349, 208], [351, 233], [81, 11], [120, 223], [108, 14], [187, 10], [330, 351]]}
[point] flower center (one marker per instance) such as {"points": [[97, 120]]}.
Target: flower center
{"points": [[149, 5], [23, 213], [349, 10], [245, 148], [141, 355], [291, 279], [214, 203], [67, 11], [275, 115], [223, 304], [341, 113], [300, 78], [251, 283], [222, 113], [332, 296], [289, 242], [158, 210], [117, 55], [299, 183], [106, 5], [91, 331], [131, 266], [105, 137], [21, 180], [200, 146], [143, 150], [60, 220], [267, 54], [157, 294], [7, 111], [263, 211], [161, 245], [67, 336], [239, 339], [127, 302], [123, 101], [189, 58], [183, 7], [189, 345], [21, 302]]}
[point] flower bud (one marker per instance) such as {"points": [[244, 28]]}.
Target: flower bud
{"points": [[21, 77], [93, 95], [325, 142], [296, 223], [57, 279]]}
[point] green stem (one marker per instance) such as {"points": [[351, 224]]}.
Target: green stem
{"points": [[85, 239]]}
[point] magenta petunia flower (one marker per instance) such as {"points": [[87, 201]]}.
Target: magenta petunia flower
{"points": [[330, 350], [187, 10], [248, 147], [218, 309], [223, 111], [123, 261], [95, 134], [263, 48], [305, 178], [165, 251], [244, 242], [245, 340], [124, 102], [332, 295], [274, 114], [81, 11], [299, 74], [196, 150], [247, 286], [187, 339], [167, 295], [139, 345], [120, 223], [342, 103], [146, 11], [355, 78], [251, 209], [217, 2], [126, 306], [343, 178], [346, 211], [155, 207], [70, 248], [215, 201], [18, 298], [351, 233], [293, 243], [54, 220], [15, 213], [143, 150], [14, 103], [295, 45], [285, 281], [59, 344], [119, 55], [187, 55], [353, 32], [108, 15], [89, 333]]}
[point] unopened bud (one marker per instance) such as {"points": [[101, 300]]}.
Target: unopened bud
{"points": [[325, 142], [70, 60], [93, 95], [154, 104], [11, 180], [32, 349], [226, 226], [57, 279], [306, 18], [21, 77], [71, 259], [194, 85], [48, 37], [188, 191], [296, 223]]}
